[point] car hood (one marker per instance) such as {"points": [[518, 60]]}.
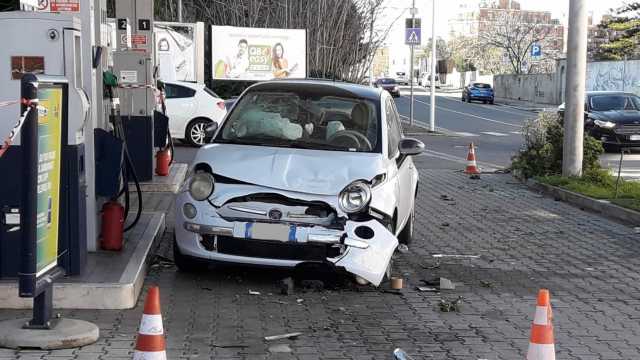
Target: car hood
{"points": [[617, 116], [307, 171]]}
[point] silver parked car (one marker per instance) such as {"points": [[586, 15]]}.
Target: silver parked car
{"points": [[301, 171]]}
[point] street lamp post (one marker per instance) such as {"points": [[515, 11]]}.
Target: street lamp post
{"points": [[432, 110]]}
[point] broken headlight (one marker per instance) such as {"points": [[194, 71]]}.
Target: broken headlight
{"points": [[201, 186], [355, 197]]}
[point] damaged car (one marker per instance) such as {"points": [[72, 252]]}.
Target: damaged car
{"points": [[301, 171]]}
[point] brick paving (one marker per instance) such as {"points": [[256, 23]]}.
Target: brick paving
{"points": [[524, 242]]}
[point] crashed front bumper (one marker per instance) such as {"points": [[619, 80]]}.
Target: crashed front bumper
{"points": [[363, 248]]}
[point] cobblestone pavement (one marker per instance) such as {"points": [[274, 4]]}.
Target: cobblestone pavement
{"points": [[524, 242]]}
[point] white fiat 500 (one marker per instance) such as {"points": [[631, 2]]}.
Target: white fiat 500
{"points": [[301, 171]]}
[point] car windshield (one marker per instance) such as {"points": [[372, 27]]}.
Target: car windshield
{"points": [[289, 119], [386, 81], [482, 86], [614, 102]]}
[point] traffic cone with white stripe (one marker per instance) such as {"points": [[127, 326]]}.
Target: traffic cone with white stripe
{"points": [[472, 167], [541, 344], [151, 343]]}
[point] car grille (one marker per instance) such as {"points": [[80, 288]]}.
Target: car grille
{"points": [[628, 130], [274, 250]]}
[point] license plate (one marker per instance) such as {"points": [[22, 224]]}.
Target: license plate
{"points": [[265, 231], [634, 137]]}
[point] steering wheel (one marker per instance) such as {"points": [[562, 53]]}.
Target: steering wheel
{"points": [[347, 137]]}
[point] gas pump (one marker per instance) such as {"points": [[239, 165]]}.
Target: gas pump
{"points": [[54, 48]]}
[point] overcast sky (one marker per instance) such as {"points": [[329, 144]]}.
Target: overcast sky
{"points": [[446, 9]]}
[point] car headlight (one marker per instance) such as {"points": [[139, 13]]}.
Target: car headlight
{"points": [[395, 88], [604, 124], [201, 186], [355, 197]]}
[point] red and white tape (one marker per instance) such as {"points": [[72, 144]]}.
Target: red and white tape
{"points": [[31, 104], [136, 86]]}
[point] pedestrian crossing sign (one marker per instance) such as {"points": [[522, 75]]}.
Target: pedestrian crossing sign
{"points": [[412, 36]]}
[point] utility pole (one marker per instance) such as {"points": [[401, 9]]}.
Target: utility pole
{"points": [[574, 92], [373, 55], [432, 110], [413, 24], [179, 10]]}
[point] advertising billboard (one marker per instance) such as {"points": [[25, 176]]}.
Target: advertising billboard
{"points": [[48, 191], [176, 51], [240, 53]]}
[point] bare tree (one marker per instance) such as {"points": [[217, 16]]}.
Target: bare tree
{"points": [[342, 35], [514, 33]]}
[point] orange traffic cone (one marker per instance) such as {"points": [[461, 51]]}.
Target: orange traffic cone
{"points": [[472, 167], [151, 343], [541, 344]]}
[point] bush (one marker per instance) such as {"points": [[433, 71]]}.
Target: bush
{"points": [[541, 153]]}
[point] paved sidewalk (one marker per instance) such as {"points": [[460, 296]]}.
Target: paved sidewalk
{"points": [[524, 242]]}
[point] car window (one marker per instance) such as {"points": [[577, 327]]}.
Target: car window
{"points": [[177, 91], [614, 102], [482, 86], [394, 132], [303, 119]]}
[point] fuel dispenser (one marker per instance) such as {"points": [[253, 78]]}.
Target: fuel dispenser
{"points": [[53, 47]]}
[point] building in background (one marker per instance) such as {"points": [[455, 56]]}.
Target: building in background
{"points": [[475, 17], [598, 36], [381, 62]]}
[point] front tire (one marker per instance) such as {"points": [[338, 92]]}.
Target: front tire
{"points": [[195, 133], [406, 235]]}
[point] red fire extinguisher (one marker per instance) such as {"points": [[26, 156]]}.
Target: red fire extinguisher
{"points": [[112, 225], [163, 158]]}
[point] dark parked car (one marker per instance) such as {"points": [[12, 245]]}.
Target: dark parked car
{"points": [[612, 117], [388, 84], [478, 91]]}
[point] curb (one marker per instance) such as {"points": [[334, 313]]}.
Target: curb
{"points": [[600, 207]]}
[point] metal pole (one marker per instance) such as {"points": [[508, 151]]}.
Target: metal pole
{"points": [[432, 110], [574, 93], [413, 24], [373, 56], [179, 10]]}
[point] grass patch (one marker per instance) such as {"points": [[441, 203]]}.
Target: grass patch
{"points": [[599, 184]]}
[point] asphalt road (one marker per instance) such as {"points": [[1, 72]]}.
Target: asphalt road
{"points": [[494, 129]]}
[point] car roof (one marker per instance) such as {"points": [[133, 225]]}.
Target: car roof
{"points": [[339, 87], [590, 93]]}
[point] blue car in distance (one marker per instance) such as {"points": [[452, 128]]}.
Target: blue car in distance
{"points": [[478, 91]]}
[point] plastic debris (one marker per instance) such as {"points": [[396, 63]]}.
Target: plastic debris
{"points": [[251, 292], [403, 249], [426, 289], [449, 305], [455, 256], [300, 301], [283, 336], [446, 284], [446, 198], [485, 283]]}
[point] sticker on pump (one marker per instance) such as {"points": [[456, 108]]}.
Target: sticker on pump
{"points": [[128, 76]]}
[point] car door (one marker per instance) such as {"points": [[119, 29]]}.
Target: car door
{"points": [[180, 103], [402, 166], [407, 178]]}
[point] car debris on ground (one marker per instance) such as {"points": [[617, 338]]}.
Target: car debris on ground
{"points": [[283, 336], [451, 305]]}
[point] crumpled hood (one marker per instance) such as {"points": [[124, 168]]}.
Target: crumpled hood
{"points": [[300, 170], [617, 116]]}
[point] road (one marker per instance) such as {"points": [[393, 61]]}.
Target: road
{"points": [[494, 129]]}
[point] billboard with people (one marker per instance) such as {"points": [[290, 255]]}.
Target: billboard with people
{"points": [[240, 53]]}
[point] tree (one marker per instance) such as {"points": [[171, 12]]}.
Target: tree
{"points": [[626, 25], [342, 35], [513, 33]]}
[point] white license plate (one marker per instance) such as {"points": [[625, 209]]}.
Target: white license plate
{"points": [[634, 137], [265, 231]]}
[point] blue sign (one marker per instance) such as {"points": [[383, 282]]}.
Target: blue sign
{"points": [[536, 50], [412, 36]]}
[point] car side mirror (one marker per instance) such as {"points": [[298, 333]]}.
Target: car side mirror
{"points": [[211, 129], [410, 146]]}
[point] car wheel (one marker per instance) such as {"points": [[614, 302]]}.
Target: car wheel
{"points": [[184, 263], [406, 235], [468, 99], [491, 102], [463, 99], [484, 101], [195, 132]]}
